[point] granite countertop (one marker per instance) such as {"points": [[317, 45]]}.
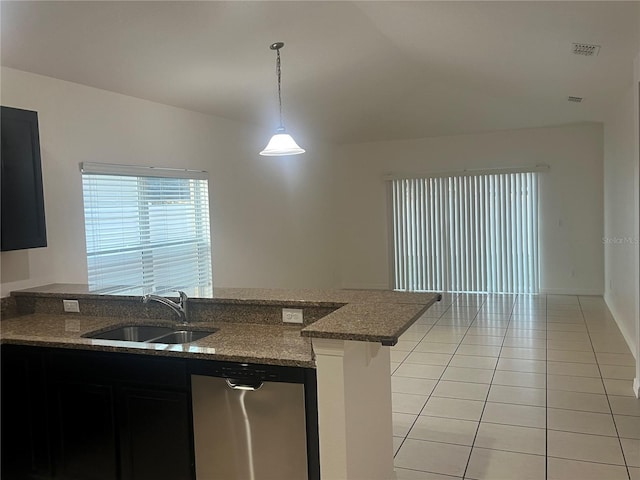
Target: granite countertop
{"points": [[235, 342], [255, 296], [360, 315], [367, 322]]}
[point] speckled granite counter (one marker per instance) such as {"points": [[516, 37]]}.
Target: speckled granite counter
{"points": [[249, 321], [366, 322], [236, 342], [253, 296]]}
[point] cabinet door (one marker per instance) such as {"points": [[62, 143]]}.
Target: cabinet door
{"points": [[22, 200], [84, 431], [25, 446], [155, 434]]}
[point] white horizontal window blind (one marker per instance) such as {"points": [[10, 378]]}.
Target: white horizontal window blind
{"points": [[147, 230], [467, 233]]}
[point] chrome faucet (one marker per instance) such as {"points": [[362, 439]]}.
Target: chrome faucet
{"points": [[180, 308]]}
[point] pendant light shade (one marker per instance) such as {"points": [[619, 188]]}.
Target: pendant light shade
{"points": [[281, 143]]}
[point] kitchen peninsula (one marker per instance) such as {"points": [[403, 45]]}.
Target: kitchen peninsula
{"points": [[344, 340]]}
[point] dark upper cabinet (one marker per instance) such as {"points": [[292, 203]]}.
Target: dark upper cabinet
{"points": [[22, 207]]}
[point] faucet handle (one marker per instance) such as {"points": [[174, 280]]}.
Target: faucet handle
{"points": [[183, 297]]}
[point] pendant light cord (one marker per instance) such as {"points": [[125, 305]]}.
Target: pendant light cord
{"points": [[279, 75]]}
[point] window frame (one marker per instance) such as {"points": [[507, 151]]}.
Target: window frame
{"points": [[144, 195]]}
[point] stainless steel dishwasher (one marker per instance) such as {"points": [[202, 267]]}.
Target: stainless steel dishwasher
{"points": [[250, 423]]}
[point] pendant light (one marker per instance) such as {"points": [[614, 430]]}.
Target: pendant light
{"points": [[281, 143]]}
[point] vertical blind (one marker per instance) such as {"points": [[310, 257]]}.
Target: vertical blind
{"points": [[467, 233], [147, 230]]}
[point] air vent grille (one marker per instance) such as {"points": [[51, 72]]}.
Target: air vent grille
{"points": [[574, 99], [585, 49]]}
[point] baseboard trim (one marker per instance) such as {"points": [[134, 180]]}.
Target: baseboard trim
{"points": [[628, 336], [365, 286], [568, 291]]}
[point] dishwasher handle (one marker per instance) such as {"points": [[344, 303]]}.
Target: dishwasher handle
{"points": [[244, 384]]}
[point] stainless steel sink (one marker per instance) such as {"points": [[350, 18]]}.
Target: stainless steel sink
{"points": [[150, 334], [133, 333], [181, 336]]}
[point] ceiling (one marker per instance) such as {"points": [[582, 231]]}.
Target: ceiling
{"points": [[351, 71]]}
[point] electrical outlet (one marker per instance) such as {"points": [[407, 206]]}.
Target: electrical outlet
{"points": [[292, 315], [71, 306]]}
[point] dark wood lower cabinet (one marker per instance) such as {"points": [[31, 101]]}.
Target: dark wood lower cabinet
{"points": [[84, 415], [84, 432], [75, 415], [155, 438], [25, 429]]}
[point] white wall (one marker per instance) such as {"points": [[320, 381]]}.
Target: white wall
{"points": [[271, 217], [636, 103], [636, 115], [571, 198], [621, 217], [622, 214]]}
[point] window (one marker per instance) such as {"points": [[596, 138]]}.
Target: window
{"points": [[147, 229], [466, 233]]}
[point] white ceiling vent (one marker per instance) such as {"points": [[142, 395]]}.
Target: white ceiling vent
{"points": [[574, 99], [585, 49]]}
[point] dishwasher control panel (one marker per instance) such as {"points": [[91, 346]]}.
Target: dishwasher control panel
{"points": [[247, 372], [236, 370]]}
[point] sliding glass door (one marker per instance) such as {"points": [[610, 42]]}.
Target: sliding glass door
{"points": [[466, 233]]}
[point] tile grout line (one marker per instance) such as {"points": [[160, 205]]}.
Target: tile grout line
{"points": [[546, 389]]}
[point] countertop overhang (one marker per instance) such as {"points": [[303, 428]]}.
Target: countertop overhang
{"points": [[367, 322]]}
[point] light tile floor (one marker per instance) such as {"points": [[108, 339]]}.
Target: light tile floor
{"points": [[508, 387]]}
